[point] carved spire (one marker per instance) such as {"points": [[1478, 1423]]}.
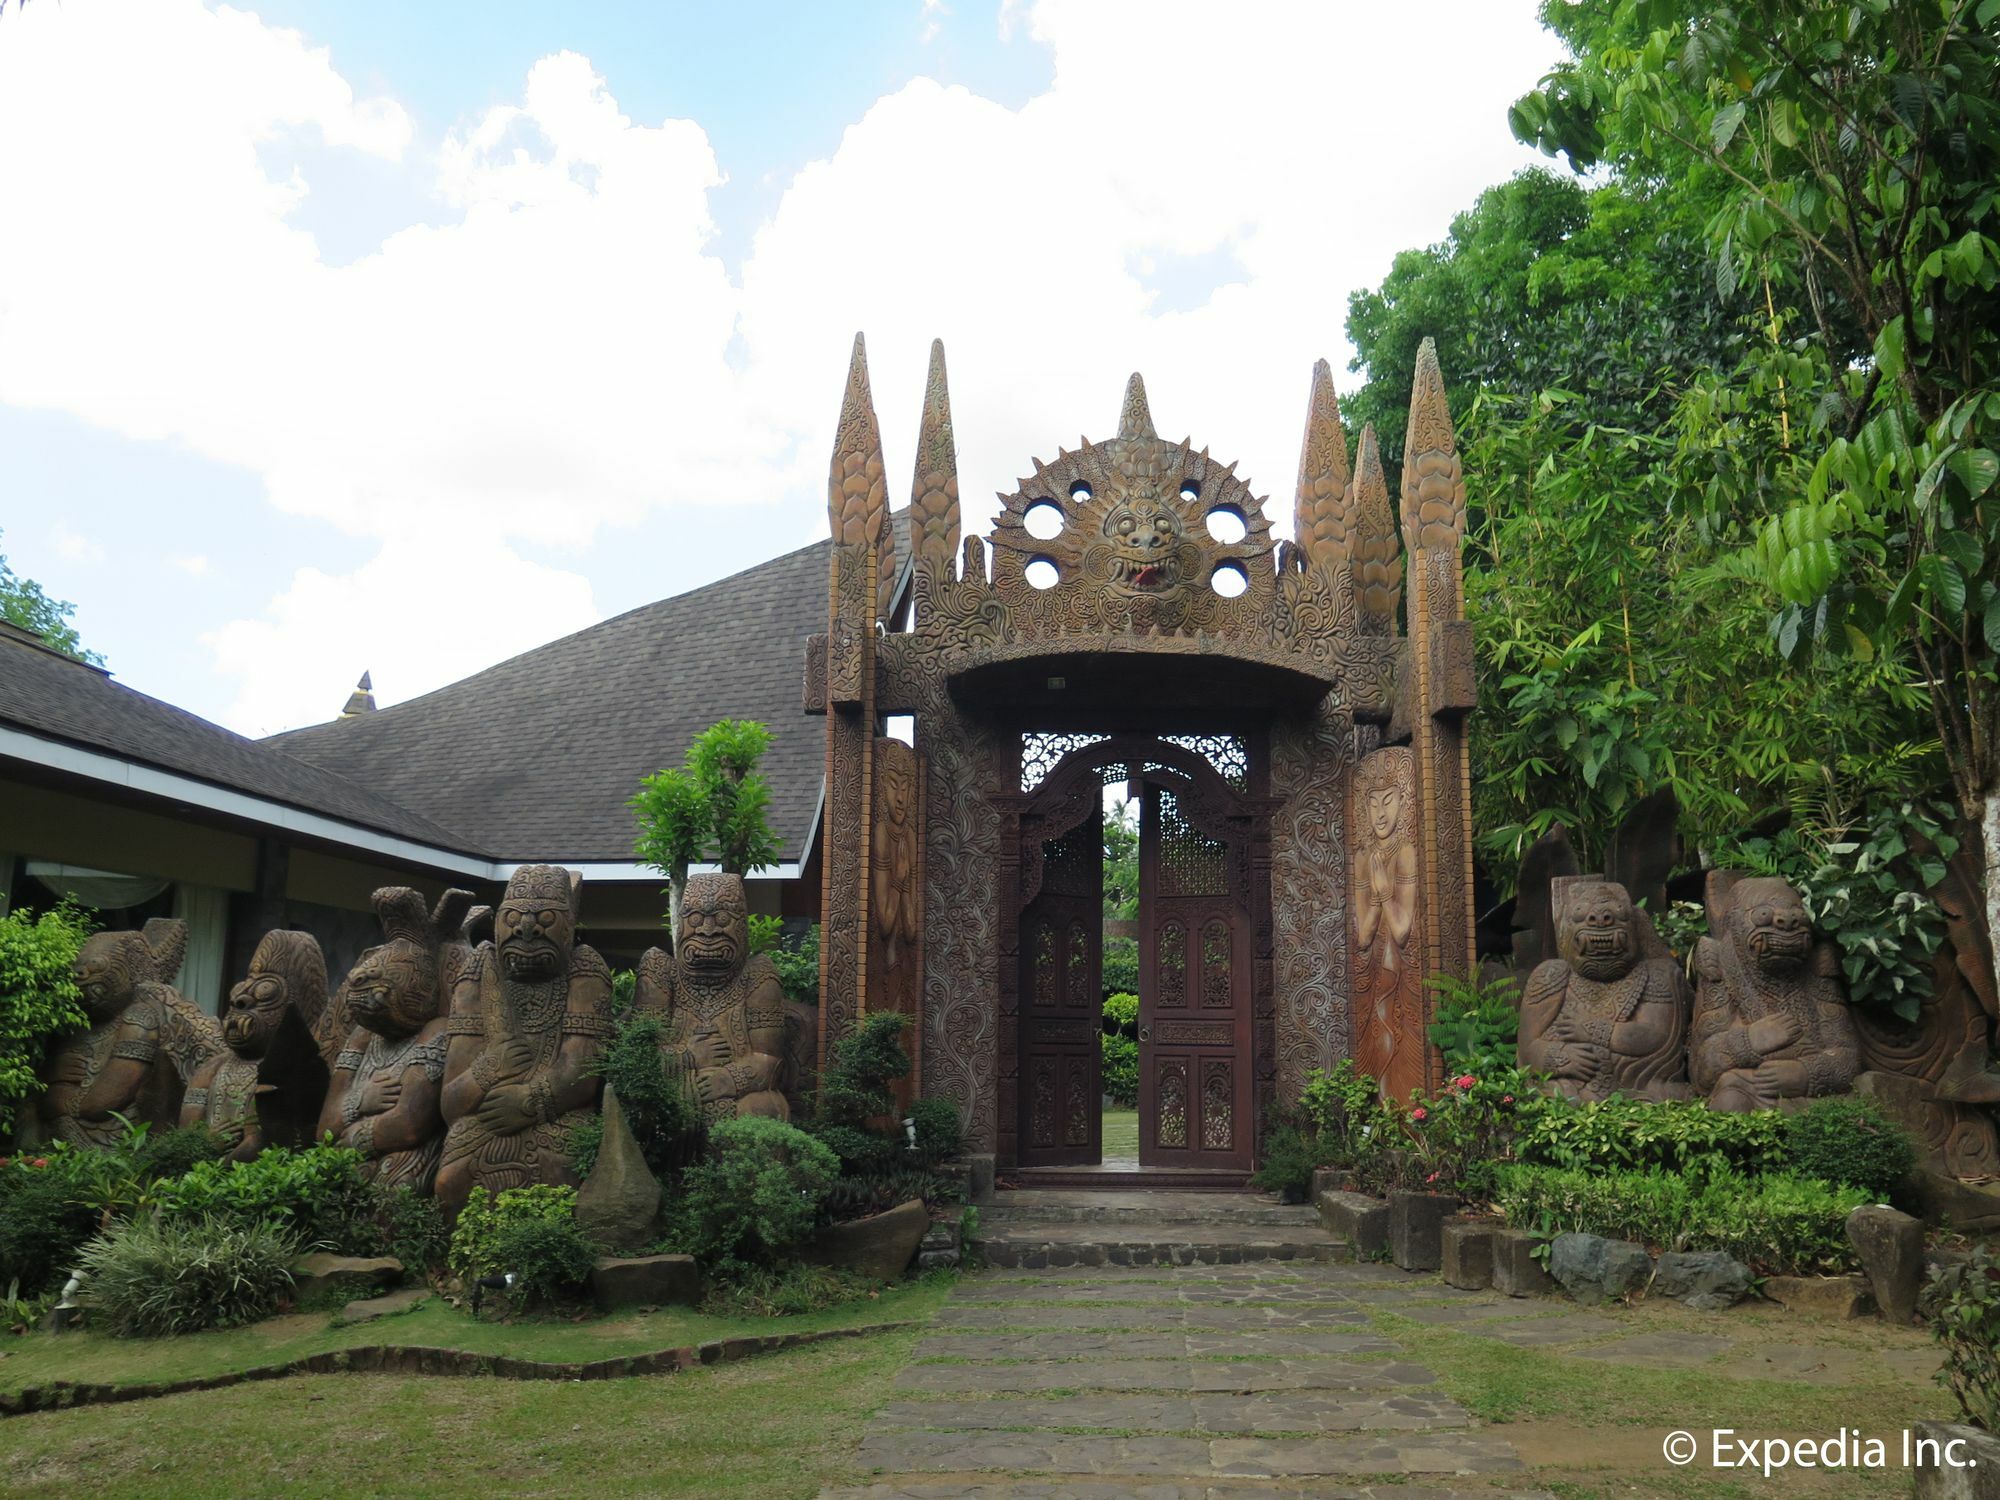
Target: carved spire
{"points": [[1378, 580], [1433, 479], [361, 700], [1135, 418], [934, 488], [857, 493], [1320, 521]]}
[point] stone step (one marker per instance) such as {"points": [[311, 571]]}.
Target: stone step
{"points": [[1081, 1206], [1036, 1244]]}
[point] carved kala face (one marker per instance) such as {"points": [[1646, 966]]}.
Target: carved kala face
{"points": [[1385, 810], [533, 936], [1145, 536], [392, 991], [256, 1006], [104, 974], [1600, 931], [715, 926], [1768, 922]]}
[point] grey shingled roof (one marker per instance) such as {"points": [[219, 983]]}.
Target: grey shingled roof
{"points": [[535, 758], [54, 697]]}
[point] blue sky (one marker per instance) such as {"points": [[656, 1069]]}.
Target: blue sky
{"points": [[432, 331]]}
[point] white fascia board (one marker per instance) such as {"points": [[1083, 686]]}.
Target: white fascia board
{"points": [[97, 765]]}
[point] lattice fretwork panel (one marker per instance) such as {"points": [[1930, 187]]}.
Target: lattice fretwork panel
{"points": [[1191, 863]]}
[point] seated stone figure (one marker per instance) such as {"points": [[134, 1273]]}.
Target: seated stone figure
{"points": [[388, 1076], [1602, 1018], [141, 1043], [528, 1016], [1769, 1020], [267, 1088], [722, 1007]]}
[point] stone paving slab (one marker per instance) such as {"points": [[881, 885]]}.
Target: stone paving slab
{"points": [[1148, 1345], [1161, 1375], [1030, 1315], [1266, 1412], [1457, 1315], [1554, 1328], [1091, 1489], [917, 1451], [1087, 1292]]}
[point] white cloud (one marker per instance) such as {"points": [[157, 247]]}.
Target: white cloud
{"points": [[565, 352], [194, 565], [74, 547]]}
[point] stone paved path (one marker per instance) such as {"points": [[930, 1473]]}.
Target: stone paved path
{"points": [[1207, 1382]]}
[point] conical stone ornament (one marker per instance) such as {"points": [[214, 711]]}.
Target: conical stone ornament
{"points": [[620, 1201]]}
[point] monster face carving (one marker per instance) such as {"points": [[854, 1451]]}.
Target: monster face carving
{"points": [[1769, 926], [106, 968], [1145, 538], [714, 936], [535, 926], [1599, 930]]}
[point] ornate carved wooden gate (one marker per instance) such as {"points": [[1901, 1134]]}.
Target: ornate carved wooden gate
{"points": [[1062, 952], [1195, 1073]]}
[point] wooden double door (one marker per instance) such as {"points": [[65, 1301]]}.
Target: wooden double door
{"points": [[1195, 1005]]}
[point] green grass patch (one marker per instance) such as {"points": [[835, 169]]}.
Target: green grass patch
{"points": [[1121, 1133]]}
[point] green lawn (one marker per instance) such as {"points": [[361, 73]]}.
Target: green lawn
{"points": [[1121, 1133], [38, 1358]]}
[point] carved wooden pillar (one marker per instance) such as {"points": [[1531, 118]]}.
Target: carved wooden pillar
{"points": [[1441, 663], [895, 903], [858, 511]]}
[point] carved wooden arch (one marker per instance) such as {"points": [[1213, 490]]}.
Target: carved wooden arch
{"points": [[1241, 820]]}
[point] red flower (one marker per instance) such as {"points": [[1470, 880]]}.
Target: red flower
{"points": [[1430, 1179], [40, 1161], [6, 1161], [1420, 1113], [1465, 1081], [1507, 1099]]}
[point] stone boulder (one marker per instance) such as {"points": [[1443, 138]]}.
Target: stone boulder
{"points": [[620, 1199], [1706, 1280], [1890, 1246], [1953, 1462], [878, 1247], [1416, 1229], [645, 1281], [1971, 1208], [1516, 1270], [1594, 1270], [321, 1276], [1836, 1297]]}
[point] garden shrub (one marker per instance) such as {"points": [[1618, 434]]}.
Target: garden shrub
{"points": [[551, 1257], [796, 1289], [1963, 1305], [756, 1196], [664, 1121], [176, 1151], [940, 1133], [412, 1228], [1475, 1026], [855, 1091], [317, 1195], [38, 994], [1847, 1139], [486, 1219], [153, 1277], [1290, 1156], [1780, 1224], [1669, 1135], [1119, 1066], [44, 1220], [1118, 970]]}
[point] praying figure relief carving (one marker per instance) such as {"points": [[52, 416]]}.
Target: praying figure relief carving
{"points": [[1388, 1030], [141, 1042], [895, 904], [385, 1100], [1769, 1020], [721, 1007], [1602, 1018], [267, 1087], [528, 1016]]}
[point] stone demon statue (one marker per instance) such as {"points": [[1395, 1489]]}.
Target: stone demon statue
{"points": [[528, 1017], [388, 1075], [1603, 1018], [722, 1008], [266, 1089], [1769, 1020], [140, 1045]]}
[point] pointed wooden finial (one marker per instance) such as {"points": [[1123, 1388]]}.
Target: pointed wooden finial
{"points": [[1433, 479], [1378, 581], [857, 494], [1135, 418], [1319, 512], [934, 488]]}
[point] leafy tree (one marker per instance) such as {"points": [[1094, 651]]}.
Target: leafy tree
{"points": [[23, 604], [715, 806], [1860, 144], [38, 994]]}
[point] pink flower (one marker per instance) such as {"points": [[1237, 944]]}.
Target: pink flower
{"points": [[1507, 1099], [1420, 1113], [40, 1161], [1430, 1179], [1465, 1081]]}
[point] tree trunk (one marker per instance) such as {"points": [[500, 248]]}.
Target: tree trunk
{"points": [[677, 879]]}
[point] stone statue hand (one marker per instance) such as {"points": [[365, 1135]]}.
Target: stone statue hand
{"points": [[71, 1068], [233, 1131], [1773, 1033], [708, 1050], [1381, 881], [1581, 1060], [513, 1059], [506, 1110]]}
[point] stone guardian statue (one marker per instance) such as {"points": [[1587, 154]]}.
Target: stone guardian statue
{"points": [[267, 1087]]}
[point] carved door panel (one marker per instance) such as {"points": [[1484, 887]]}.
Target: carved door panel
{"points": [[1194, 996], [1062, 1000]]}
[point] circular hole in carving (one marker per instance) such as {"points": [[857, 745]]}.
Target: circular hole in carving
{"points": [[1190, 490], [1041, 573], [1229, 580], [1044, 520], [1080, 490], [1226, 525]]}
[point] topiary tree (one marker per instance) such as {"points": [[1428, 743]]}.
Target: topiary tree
{"points": [[38, 994], [716, 806]]}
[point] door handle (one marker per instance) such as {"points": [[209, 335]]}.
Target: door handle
{"points": [[1145, 1033]]}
